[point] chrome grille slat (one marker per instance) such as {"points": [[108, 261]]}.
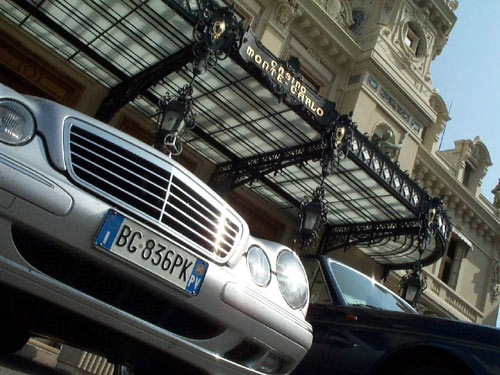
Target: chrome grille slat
{"points": [[177, 209], [119, 188], [122, 179], [173, 194], [119, 156], [154, 191], [191, 229], [180, 222], [216, 224], [115, 164], [229, 228]]}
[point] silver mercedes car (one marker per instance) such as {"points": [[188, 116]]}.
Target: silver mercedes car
{"points": [[110, 245]]}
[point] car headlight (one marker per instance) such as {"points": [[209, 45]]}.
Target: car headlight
{"points": [[17, 125], [292, 279], [259, 266]]}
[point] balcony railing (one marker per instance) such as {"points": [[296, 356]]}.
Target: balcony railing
{"points": [[450, 299]]}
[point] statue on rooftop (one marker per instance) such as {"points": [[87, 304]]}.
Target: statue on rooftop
{"points": [[452, 4], [496, 195], [495, 281]]}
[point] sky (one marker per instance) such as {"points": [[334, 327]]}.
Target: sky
{"points": [[467, 75]]}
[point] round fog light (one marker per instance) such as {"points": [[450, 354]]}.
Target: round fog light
{"points": [[17, 125], [270, 364], [259, 266]]}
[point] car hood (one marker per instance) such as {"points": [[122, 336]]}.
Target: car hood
{"points": [[409, 324]]}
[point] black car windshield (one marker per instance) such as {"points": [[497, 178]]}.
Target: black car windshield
{"points": [[359, 290]]}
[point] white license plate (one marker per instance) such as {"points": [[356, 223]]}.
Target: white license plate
{"points": [[150, 251]]}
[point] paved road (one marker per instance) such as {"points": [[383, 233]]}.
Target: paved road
{"points": [[12, 365]]}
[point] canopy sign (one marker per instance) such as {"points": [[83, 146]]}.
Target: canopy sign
{"points": [[286, 81]]}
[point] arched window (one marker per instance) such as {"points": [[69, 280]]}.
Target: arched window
{"points": [[475, 165]]}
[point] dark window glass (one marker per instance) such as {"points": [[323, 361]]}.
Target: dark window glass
{"points": [[446, 273], [359, 290], [447, 263], [467, 173], [317, 284], [452, 248]]}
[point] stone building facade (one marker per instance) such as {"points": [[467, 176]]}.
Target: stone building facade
{"points": [[371, 57]]}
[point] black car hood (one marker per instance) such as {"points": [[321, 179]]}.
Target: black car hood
{"points": [[410, 324]]}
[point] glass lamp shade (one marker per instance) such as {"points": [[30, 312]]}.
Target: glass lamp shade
{"points": [[412, 289], [311, 216], [173, 118], [411, 292]]}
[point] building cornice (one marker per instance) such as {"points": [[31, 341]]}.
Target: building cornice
{"points": [[440, 13], [326, 33], [408, 94], [471, 214]]}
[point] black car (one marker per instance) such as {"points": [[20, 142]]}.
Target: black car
{"points": [[361, 327]]}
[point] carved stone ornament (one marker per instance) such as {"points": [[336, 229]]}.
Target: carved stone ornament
{"points": [[346, 13], [496, 195], [495, 281], [417, 56], [388, 145], [286, 12], [387, 11], [452, 4], [339, 10]]}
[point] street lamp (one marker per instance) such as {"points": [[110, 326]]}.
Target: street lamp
{"points": [[312, 216], [412, 285], [311, 219], [175, 116]]}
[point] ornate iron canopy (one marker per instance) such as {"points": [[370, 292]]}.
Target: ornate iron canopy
{"points": [[258, 121]]}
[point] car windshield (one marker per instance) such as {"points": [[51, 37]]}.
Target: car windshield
{"points": [[359, 290], [317, 286]]}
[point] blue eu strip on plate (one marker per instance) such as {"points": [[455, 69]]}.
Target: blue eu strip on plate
{"points": [[109, 230]]}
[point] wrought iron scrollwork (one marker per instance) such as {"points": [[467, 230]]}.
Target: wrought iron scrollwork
{"points": [[433, 219], [232, 174], [336, 142], [413, 278], [215, 33], [368, 234]]}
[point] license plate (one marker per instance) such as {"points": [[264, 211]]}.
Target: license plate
{"points": [[150, 251]]}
